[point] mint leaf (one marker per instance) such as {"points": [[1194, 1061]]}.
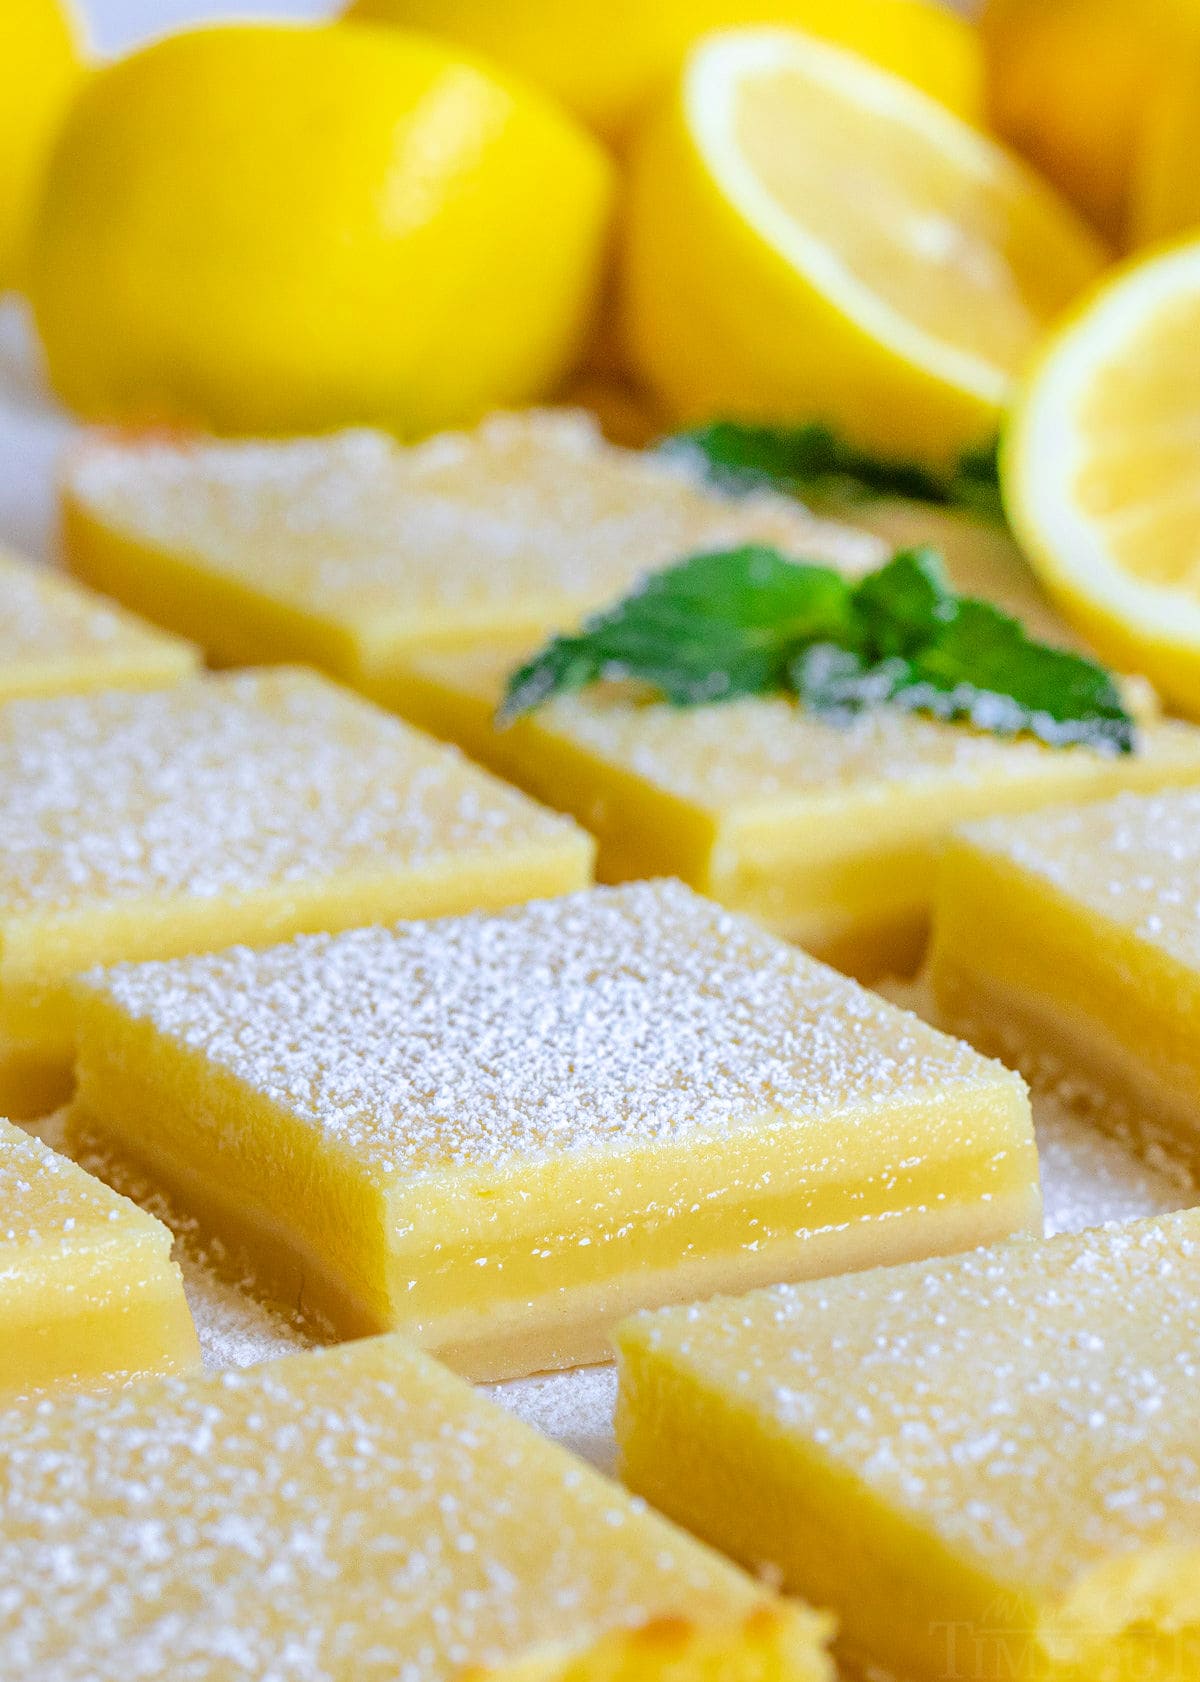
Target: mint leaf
{"points": [[750, 622], [974, 486], [903, 606], [813, 463], [984, 668], [709, 628]]}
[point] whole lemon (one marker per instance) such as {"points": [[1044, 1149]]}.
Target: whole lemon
{"points": [[1074, 83], [268, 228], [39, 71], [605, 58]]}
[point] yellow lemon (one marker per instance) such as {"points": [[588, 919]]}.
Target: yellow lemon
{"points": [[808, 237], [271, 228], [1071, 83], [39, 71], [605, 58], [1101, 470], [1165, 191]]}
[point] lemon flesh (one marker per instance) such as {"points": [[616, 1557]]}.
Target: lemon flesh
{"points": [[811, 237], [275, 229], [1102, 471]]}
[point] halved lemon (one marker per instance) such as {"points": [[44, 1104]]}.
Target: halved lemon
{"points": [[809, 236], [1101, 470]]}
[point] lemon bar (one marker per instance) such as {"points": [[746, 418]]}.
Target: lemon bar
{"points": [[241, 807], [829, 834], [57, 637], [89, 1294], [988, 1466], [500, 1133], [344, 551], [1072, 938], [352, 1515]]}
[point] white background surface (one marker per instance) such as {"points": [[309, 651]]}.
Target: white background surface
{"points": [[113, 25]]}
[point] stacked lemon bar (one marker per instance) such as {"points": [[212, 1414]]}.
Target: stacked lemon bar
{"points": [[425, 576]]}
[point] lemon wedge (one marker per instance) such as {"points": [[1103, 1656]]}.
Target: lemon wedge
{"points": [[1101, 470], [809, 236]]}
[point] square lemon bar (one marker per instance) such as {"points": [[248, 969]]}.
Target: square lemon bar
{"points": [[243, 807], [500, 1133], [89, 1294], [829, 834], [57, 637], [1071, 937], [346, 551], [352, 1515], [988, 1467]]}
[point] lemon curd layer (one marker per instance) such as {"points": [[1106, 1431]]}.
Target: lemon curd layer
{"points": [[89, 1295], [243, 807], [1071, 938], [987, 1466], [345, 551], [56, 637], [353, 1515], [502, 1132], [829, 834]]}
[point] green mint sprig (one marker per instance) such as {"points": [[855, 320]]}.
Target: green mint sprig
{"points": [[751, 622], [813, 463]]}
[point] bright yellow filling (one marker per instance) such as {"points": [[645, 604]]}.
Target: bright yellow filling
{"points": [[1069, 935], [88, 1292]]}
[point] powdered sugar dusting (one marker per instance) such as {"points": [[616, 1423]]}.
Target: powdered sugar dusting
{"points": [[531, 515], [752, 753], [231, 785], [574, 1025], [48, 1204], [1134, 860], [50, 621], [357, 1512], [1033, 1406]]}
